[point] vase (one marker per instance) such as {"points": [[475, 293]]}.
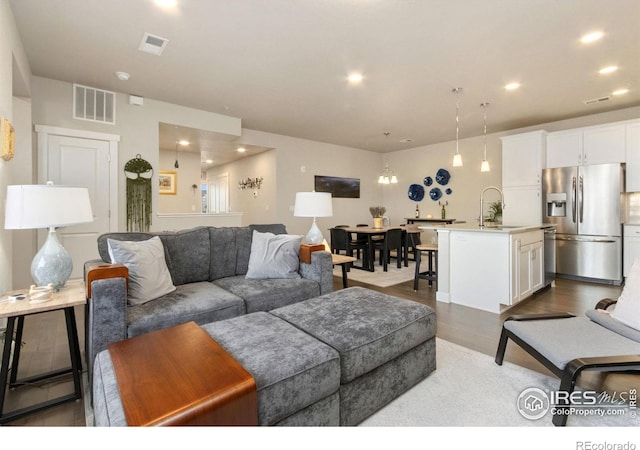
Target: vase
{"points": [[377, 222]]}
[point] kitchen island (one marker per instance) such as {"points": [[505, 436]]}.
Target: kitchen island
{"points": [[488, 268]]}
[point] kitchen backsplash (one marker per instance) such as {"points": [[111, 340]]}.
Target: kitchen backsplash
{"points": [[633, 208]]}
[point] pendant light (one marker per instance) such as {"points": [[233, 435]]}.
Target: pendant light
{"points": [[387, 176], [485, 164], [176, 165], [457, 158]]}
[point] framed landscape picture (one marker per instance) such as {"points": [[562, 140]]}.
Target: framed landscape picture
{"points": [[338, 186], [167, 182]]}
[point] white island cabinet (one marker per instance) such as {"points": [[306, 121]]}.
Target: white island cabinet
{"points": [[488, 268]]}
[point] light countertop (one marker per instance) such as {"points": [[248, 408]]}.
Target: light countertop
{"points": [[508, 229]]}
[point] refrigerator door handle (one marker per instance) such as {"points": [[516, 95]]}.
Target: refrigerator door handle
{"points": [[573, 200], [581, 195], [579, 239]]}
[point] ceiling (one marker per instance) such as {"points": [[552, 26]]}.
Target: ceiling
{"points": [[281, 65], [215, 149]]}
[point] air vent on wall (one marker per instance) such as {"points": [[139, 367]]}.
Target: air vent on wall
{"points": [[597, 100], [94, 104], [153, 44]]}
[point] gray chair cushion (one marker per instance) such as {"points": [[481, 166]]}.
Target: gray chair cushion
{"points": [[268, 294], [562, 340], [366, 327], [201, 302], [292, 370], [612, 324]]}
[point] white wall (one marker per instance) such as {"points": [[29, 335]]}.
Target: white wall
{"points": [[14, 71], [467, 182]]}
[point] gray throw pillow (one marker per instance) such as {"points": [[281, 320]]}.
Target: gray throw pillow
{"points": [[149, 277], [274, 256]]}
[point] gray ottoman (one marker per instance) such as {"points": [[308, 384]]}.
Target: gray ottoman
{"points": [[297, 377], [386, 344]]}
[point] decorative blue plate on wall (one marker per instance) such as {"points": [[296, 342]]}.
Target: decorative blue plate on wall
{"points": [[443, 176], [428, 181], [448, 191], [435, 194], [416, 192]]}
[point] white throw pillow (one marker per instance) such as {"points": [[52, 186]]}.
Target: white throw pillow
{"points": [[274, 256], [149, 277], [627, 308]]}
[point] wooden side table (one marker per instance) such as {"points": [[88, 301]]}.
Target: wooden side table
{"points": [[342, 260], [67, 298]]}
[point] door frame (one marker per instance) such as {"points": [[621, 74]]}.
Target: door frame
{"points": [[43, 133]]}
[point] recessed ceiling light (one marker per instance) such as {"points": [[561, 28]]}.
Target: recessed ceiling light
{"points": [[355, 78], [620, 92], [209, 161], [166, 3], [591, 37], [608, 69], [512, 86], [124, 76], [241, 150], [183, 142]]}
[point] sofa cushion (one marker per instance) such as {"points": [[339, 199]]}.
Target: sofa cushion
{"points": [[201, 302], [188, 254], [366, 327], [103, 246], [225, 252], [268, 294], [274, 256], [275, 228], [149, 276], [292, 370]]}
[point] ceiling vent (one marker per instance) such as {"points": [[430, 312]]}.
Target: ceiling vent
{"points": [[153, 44], [597, 100], [94, 104]]}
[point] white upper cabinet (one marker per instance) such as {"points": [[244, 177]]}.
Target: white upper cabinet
{"points": [[601, 144], [633, 157], [523, 158]]}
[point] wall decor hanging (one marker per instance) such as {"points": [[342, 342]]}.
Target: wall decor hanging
{"points": [[337, 186], [416, 192], [139, 174], [7, 139], [168, 182]]}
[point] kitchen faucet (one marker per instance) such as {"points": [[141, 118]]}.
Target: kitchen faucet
{"points": [[482, 201]]}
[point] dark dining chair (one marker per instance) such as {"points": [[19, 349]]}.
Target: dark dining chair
{"points": [[341, 241], [392, 240]]}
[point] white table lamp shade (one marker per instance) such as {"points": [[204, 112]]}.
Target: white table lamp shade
{"points": [[313, 204], [48, 206], [44, 206]]}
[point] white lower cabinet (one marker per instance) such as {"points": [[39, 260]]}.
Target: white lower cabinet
{"points": [[527, 264]]}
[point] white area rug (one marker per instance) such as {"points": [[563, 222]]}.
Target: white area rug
{"points": [[469, 389], [380, 278]]}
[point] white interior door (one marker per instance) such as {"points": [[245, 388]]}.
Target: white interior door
{"points": [[86, 162]]}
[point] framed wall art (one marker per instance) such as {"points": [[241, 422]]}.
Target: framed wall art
{"points": [[167, 182], [7, 139], [338, 186]]}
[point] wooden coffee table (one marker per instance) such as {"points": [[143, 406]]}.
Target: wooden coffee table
{"points": [[181, 376]]}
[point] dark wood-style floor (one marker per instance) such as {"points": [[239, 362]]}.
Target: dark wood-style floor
{"points": [[45, 343]]}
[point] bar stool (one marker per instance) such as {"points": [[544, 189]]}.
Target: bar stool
{"points": [[431, 274]]}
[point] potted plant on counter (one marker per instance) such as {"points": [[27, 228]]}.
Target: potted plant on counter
{"points": [[377, 212], [495, 215]]}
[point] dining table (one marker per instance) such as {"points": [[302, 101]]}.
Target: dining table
{"points": [[371, 232]]}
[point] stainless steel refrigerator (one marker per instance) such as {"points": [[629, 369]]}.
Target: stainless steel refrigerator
{"points": [[584, 203]]}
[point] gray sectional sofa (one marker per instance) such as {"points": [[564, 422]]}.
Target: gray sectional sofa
{"points": [[327, 361], [208, 267]]}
